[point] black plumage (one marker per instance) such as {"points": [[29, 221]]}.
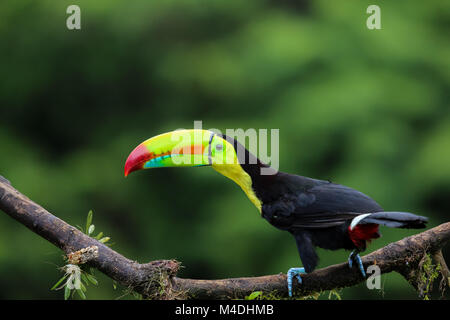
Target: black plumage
{"points": [[316, 212]]}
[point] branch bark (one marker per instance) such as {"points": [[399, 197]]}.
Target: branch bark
{"points": [[157, 279]]}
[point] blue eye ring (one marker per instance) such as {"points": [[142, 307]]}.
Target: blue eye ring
{"points": [[219, 147]]}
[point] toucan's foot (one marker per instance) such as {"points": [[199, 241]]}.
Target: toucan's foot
{"points": [[294, 272], [355, 256]]}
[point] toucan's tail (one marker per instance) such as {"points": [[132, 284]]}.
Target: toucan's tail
{"points": [[392, 219]]}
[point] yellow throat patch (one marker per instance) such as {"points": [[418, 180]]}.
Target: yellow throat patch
{"points": [[239, 176]]}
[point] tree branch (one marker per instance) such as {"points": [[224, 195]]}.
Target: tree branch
{"points": [[157, 279]]}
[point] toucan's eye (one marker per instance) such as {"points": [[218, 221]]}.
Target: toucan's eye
{"points": [[219, 147]]}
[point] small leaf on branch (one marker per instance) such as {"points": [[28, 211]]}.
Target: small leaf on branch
{"points": [[89, 219]]}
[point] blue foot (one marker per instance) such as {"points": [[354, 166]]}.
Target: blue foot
{"points": [[294, 272], [355, 256]]}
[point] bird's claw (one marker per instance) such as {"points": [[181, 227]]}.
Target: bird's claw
{"points": [[294, 272], [355, 256]]}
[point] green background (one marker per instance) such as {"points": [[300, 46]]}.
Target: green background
{"points": [[365, 108]]}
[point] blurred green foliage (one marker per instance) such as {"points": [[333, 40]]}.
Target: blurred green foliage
{"points": [[368, 109]]}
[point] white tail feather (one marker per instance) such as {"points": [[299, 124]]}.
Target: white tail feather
{"points": [[357, 219]]}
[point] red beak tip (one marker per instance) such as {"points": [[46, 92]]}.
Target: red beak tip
{"points": [[136, 159], [128, 169]]}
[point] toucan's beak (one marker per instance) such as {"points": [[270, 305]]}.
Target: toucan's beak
{"points": [[180, 148]]}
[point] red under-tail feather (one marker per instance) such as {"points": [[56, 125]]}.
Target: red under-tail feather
{"points": [[363, 232]]}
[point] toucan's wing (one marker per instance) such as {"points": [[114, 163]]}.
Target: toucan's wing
{"points": [[322, 205], [334, 198], [330, 205], [322, 220]]}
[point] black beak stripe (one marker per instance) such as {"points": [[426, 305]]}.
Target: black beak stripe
{"points": [[209, 148]]}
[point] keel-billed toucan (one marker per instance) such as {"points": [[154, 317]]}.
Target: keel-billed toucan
{"points": [[316, 212]]}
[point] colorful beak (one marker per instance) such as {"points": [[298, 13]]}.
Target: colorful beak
{"points": [[180, 148]]}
